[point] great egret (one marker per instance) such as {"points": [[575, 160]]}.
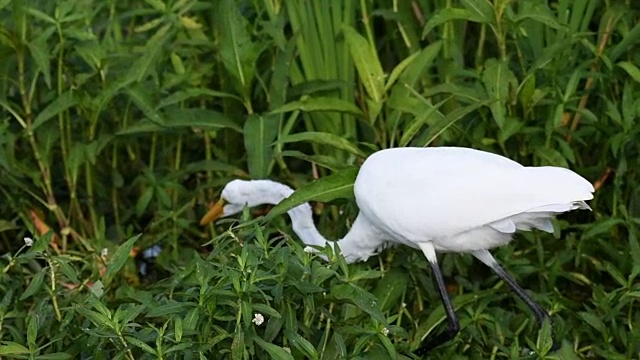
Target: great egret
{"points": [[443, 199]]}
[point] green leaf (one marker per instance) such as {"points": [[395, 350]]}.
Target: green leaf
{"points": [[551, 157], [266, 309], [448, 14], [35, 285], [237, 52], [95, 317], [323, 138], [631, 69], [542, 14], [310, 104], [496, 79], [390, 288], [60, 104], [171, 308], [139, 343], [143, 65], [367, 63], [141, 96], [42, 54], [259, 133], [175, 118], [361, 298], [328, 188], [276, 352], [190, 93], [594, 321], [480, 9], [301, 344], [54, 356], [442, 124], [12, 348], [634, 249], [119, 258]]}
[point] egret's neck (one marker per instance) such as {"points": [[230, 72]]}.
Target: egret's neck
{"points": [[361, 242]]}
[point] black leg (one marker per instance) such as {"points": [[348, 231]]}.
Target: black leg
{"points": [[540, 314], [453, 327]]}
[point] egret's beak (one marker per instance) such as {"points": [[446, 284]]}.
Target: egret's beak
{"points": [[213, 214]]}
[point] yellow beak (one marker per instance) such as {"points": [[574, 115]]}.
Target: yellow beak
{"points": [[213, 214]]}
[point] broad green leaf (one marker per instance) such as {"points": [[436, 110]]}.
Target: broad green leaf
{"points": [[480, 9], [325, 161], [303, 345], [496, 79], [259, 133], [540, 13], [95, 317], [333, 140], [311, 87], [266, 309], [183, 95], [276, 352], [441, 125], [634, 250], [119, 258], [54, 356], [139, 343], [12, 348], [170, 308], [35, 285], [176, 118], [237, 51], [145, 61], [367, 63], [361, 298], [141, 96], [412, 128], [390, 288], [310, 104], [448, 14], [631, 69], [551, 157], [60, 104], [328, 188], [42, 54]]}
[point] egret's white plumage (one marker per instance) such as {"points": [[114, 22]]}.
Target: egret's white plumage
{"points": [[435, 199]]}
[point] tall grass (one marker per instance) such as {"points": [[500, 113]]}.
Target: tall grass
{"points": [[121, 121]]}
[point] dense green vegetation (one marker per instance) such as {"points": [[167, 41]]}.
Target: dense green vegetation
{"points": [[120, 121]]}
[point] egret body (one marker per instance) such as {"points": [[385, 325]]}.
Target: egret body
{"points": [[443, 199]]}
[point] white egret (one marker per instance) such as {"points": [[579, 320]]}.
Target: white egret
{"points": [[444, 199]]}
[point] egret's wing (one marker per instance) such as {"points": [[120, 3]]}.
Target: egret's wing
{"points": [[427, 193]]}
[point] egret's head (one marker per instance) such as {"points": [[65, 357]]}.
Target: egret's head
{"points": [[235, 195]]}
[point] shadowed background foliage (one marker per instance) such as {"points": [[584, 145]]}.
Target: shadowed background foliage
{"points": [[120, 122]]}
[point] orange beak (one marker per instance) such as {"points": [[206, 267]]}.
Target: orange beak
{"points": [[213, 214]]}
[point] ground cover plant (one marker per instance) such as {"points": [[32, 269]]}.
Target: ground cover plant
{"points": [[121, 121]]}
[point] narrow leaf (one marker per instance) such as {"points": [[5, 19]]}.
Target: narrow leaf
{"points": [[325, 139], [119, 258], [35, 285], [275, 351], [328, 188], [259, 133], [310, 104], [62, 103], [367, 63], [496, 81]]}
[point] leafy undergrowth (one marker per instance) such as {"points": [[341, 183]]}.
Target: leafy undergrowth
{"points": [[121, 121]]}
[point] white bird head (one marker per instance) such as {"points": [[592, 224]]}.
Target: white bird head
{"points": [[240, 193]]}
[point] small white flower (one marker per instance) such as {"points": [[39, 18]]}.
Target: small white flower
{"points": [[258, 319], [385, 331], [28, 241], [404, 304], [104, 252], [308, 249]]}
